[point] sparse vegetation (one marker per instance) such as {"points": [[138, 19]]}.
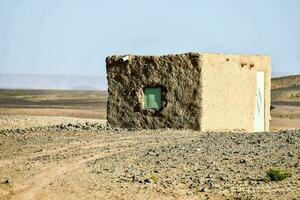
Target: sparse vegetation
{"points": [[286, 82], [277, 174], [295, 96], [154, 178], [85, 163], [174, 167]]}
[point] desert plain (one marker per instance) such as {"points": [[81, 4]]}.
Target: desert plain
{"points": [[56, 145]]}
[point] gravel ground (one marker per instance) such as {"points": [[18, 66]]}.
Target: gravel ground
{"points": [[23, 122], [87, 160]]}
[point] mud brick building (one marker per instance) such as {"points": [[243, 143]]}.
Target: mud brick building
{"points": [[200, 91]]}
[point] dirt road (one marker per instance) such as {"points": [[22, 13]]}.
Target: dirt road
{"points": [[165, 164]]}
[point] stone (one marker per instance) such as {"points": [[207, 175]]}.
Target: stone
{"points": [[148, 181], [6, 181], [204, 189]]}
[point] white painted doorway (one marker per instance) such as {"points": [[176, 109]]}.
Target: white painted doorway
{"points": [[259, 116]]}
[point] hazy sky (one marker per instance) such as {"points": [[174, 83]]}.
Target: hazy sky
{"points": [[74, 36]]}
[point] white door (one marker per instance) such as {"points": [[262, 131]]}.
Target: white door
{"points": [[259, 116]]}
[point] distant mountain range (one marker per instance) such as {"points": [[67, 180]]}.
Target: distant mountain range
{"points": [[55, 82]]}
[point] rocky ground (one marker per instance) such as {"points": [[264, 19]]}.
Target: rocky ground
{"points": [[88, 160], [12, 122]]}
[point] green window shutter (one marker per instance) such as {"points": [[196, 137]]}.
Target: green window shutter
{"points": [[152, 98]]}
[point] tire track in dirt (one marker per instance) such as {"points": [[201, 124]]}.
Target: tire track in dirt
{"points": [[38, 186], [32, 187]]}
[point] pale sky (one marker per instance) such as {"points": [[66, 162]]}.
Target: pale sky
{"points": [[73, 37]]}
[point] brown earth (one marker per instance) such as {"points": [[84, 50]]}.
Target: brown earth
{"points": [[285, 117], [92, 105], [286, 82], [88, 114], [72, 163], [46, 156], [286, 100], [80, 104]]}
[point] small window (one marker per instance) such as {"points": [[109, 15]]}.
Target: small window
{"points": [[152, 98]]}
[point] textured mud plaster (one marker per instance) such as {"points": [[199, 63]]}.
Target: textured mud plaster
{"points": [[206, 92], [180, 82], [229, 91]]}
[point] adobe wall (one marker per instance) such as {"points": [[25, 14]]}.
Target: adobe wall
{"points": [[229, 84], [177, 75]]}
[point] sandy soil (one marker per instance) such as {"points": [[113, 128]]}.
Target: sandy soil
{"points": [[89, 114], [284, 124], [22, 122], [46, 156], [92, 105], [162, 164], [80, 104], [285, 118]]}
